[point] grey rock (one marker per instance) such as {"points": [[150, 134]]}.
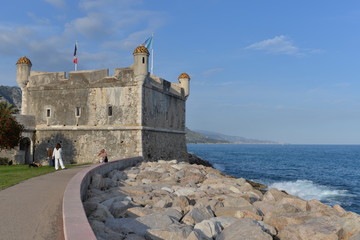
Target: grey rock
{"points": [[198, 214], [244, 229], [173, 232], [101, 213], [208, 229], [97, 182]]}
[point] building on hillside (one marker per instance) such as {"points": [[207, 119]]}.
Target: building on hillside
{"points": [[131, 113]]}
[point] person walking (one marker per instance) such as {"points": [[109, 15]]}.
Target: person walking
{"points": [[57, 156]]}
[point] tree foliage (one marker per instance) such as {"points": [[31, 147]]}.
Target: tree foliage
{"points": [[10, 130], [5, 106]]}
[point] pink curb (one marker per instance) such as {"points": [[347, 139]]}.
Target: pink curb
{"points": [[76, 224]]}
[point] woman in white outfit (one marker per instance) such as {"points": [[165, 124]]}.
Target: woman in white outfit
{"points": [[57, 157]]}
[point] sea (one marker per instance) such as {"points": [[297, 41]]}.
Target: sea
{"points": [[328, 173]]}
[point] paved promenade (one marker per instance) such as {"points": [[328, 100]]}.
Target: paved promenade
{"points": [[32, 210]]}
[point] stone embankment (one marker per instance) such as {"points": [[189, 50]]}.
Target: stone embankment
{"points": [[171, 200]]}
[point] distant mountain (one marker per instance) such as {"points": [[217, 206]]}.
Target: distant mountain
{"points": [[195, 137], [222, 138], [11, 95]]}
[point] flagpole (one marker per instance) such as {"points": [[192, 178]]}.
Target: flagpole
{"points": [[152, 55], [152, 61], [75, 56]]}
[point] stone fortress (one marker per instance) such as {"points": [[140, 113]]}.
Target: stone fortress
{"points": [[129, 114]]}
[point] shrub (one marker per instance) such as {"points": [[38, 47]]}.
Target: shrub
{"points": [[10, 130], [4, 161]]}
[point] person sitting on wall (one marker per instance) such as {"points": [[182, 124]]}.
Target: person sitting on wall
{"points": [[50, 152], [103, 155]]}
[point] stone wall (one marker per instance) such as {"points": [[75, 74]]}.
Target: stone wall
{"points": [[163, 110], [83, 145], [85, 106], [164, 145]]}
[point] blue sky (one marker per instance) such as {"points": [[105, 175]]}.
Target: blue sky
{"points": [[280, 70]]}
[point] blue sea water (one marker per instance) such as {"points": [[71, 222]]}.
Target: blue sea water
{"points": [[329, 173]]}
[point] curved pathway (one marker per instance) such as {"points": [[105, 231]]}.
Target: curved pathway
{"points": [[33, 209]]}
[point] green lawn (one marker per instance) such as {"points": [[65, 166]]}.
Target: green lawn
{"points": [[14, 174]]}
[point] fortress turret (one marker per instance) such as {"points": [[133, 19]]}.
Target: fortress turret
{"points": [[184, 80], [141, 59], [22, 78]]}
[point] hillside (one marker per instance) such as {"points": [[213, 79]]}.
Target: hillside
{"points": [[233, 139], [195, 137], [11, 95]]}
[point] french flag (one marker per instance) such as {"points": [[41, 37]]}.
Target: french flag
{"points": [[75, 57]]}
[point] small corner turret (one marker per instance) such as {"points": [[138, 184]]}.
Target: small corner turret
{"points": [[22, 78], [23, 71], [141, 60], [184, 80]]}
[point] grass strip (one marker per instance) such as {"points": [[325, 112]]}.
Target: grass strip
{"points": [[14, 174]]}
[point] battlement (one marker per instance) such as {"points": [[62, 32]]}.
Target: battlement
{"points": [[89, 78], [165, 86]]}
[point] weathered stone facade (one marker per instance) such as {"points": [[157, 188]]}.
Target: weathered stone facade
{"points": [[131, 113]]}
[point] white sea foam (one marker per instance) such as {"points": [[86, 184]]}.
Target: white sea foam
{"points": [[219, 167], [307, 190]]}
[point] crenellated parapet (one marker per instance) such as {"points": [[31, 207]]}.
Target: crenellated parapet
{"points": [[175, 89], [136, 74]]}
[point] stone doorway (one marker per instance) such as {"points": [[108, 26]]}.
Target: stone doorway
{"points": [[25, 147]]}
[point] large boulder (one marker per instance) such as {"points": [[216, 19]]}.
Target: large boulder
{"points": [[282, 221], [97, 182], [273, 195], [173, 232], [238, 212], [236, 202], [156, 220], [118, 208], [244, 229], [351, 225], [208, 229], [101, 213], [182, 201], [323, 228], [198, 214]]}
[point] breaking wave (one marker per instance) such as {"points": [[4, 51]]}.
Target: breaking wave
{"points": [[308, 190], [219, 167]]}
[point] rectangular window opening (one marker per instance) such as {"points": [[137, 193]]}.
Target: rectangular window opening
{"points": [[48, 112], [110, 112], [78, 111]]}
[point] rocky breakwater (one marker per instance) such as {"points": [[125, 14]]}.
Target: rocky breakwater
{"points": [[171, 200]]}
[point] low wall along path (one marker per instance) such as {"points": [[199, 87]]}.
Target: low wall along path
{"points": [[176, 200]]}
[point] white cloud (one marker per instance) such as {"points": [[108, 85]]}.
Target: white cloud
{"points": [[277, 45], [93, 26], [213, 71], [57, 3], [13, 37], [105, 32], [37, 19], [88, 5]]}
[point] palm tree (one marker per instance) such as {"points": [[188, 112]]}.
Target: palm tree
{"points": [[5, 106]]}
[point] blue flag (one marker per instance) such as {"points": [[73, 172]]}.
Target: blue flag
{"points": [[148, 43]]}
